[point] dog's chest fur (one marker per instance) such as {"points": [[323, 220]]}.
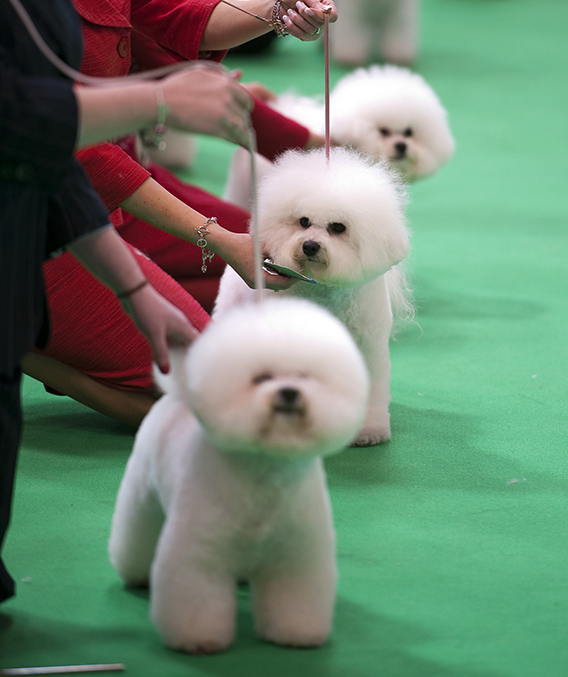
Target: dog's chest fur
{"points": [[335, 299], [364, 309], [246, 505]]}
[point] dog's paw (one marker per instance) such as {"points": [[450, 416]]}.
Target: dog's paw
{"points": [[309, 643], [203, 647], [376, 428], [369, 437], [296, 638], [197, 642]]}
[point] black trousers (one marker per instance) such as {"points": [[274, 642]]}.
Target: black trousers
{"points": [[10, 433]]}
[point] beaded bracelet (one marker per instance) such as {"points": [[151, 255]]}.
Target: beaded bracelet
{"points": [[154, 136], [206, 255], [275, 22]]}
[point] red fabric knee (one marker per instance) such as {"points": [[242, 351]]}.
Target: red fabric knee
{"points": [[92, 333]]}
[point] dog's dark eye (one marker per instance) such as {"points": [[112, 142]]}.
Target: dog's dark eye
{"points": [[385, 131], [408, 132], [305, 222], [261, 378], [336, 227]]}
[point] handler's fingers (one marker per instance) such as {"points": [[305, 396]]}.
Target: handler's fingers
{"points": [[161, 356], [235, 129], [317, 10], [242, 98], [278, 282], [298, 26], [260, 91], [178, 336]]}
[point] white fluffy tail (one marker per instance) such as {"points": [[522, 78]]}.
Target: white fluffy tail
{"points": [[174, 383], [400, 294]]}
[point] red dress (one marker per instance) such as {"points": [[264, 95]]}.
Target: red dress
{"points": [[90, 331]]}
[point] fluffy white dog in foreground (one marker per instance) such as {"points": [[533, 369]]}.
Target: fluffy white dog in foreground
{"points": [[226, 484], [342, 224], [386, 112]]}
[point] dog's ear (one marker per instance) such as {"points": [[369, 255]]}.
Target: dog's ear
{"points": [[398, 246]]}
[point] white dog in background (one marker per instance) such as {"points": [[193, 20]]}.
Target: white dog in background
{"points": [[226, 483], [342, 224], [392, 113], [371, 29], [386, 112]]}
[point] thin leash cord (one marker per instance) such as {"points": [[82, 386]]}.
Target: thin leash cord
{"points": [[326, 78], [260, 286], [75, 75], [258, 275]]}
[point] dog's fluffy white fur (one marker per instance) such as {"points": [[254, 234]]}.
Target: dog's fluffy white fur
{"points": [[341, 223], [392, 113], [386, 112], [226, 484]]}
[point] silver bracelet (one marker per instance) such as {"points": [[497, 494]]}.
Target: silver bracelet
{"points": [[275, 22], [206, 255]]}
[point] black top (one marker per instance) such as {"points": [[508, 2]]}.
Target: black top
{"points": [[46, 200]]}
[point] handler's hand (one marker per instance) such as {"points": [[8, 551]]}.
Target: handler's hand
{"points": [[207, 100], [161, 322], [305, 19], [239, 254]]}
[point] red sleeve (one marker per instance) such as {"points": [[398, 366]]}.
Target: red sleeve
{"points": [[113, 173], [276, 133], [147, 54], [177, 27]]}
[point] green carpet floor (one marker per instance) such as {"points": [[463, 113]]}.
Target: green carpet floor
{"points": [[453, 548]]}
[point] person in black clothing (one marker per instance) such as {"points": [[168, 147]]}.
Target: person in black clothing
{"points": [[47, 202]]}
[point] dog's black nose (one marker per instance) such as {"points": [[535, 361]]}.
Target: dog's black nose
{"points": [[310, 248], [288, 395], [288, 401], [400, 148]]}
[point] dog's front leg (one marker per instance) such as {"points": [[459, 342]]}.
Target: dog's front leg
{"points": [[293, 594], [376, 428], [136, 525], [295, 609], [193, 600], [371, 324]]}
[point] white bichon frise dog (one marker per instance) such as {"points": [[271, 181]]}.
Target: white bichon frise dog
{"points": [[392, 113], [386, 112], [226, 484], [342, 224]]}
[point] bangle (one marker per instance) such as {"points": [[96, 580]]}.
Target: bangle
{"points": [[153, 136], [275, 22], [129, 292], [206, 255]]}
